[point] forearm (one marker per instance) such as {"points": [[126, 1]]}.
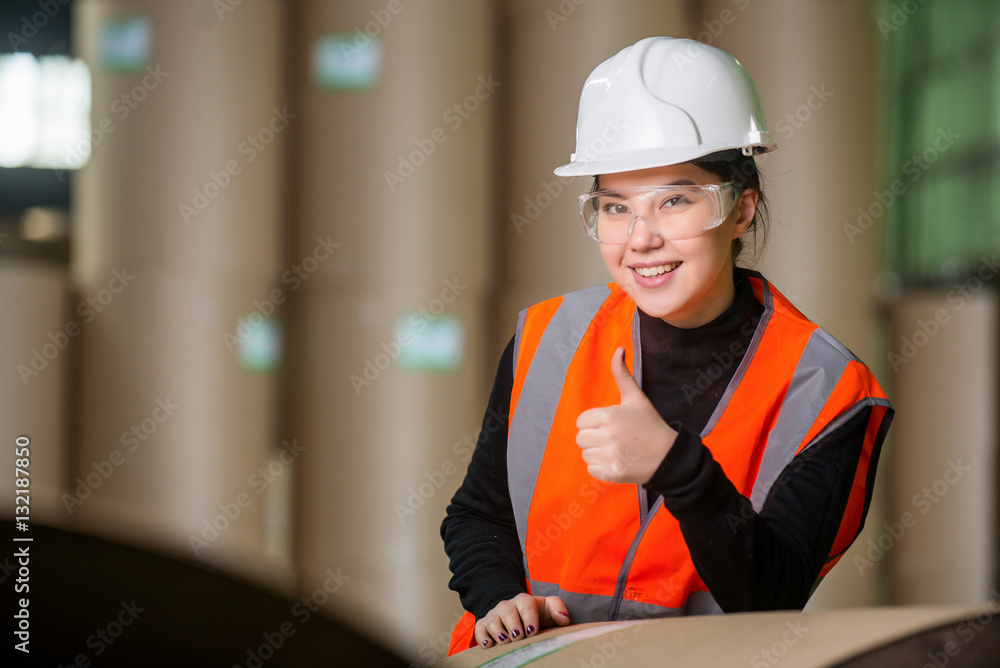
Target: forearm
{"points": [[479, 532], [485, 560], [768, 560]]}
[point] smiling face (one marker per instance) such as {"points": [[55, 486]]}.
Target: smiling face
{"points": [[687, 283]]}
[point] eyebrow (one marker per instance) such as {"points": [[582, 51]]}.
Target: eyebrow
{"points": [[678, 182]]}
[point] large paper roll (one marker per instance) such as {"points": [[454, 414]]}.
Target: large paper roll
{"points": [[178, 218], [37, 346], [395, 165], [941, 536]]}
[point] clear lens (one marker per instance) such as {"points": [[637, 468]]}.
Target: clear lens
{"points": [[673, 212]]}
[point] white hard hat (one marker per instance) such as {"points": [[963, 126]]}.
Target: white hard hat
{"points": [[664, 101]]}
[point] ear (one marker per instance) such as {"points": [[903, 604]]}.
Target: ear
{"points": [[745, 209]]}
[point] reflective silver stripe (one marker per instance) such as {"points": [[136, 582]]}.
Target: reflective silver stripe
{"points": [[702, 603], [517, 336], [816, 375], [531, 420], [582, 607], [594, 607], [698, 603], [765, 318]]}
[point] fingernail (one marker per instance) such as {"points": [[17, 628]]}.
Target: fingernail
{"points": [[531, 629], [486, 643], [502, 637], [515, 633], [564, 615]]}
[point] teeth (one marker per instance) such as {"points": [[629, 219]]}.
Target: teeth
{"points": [[649, 272]]}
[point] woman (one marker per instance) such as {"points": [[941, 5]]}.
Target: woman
{"points": [[682, 440]]}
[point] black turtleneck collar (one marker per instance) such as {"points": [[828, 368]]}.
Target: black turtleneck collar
{"points": [[685, 371]]}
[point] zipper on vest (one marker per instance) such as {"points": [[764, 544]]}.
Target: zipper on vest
{"points": [[644, 515], [646, 518], [643, 504]]}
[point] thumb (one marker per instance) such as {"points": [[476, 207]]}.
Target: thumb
{"points": [[552, 611], [627, 387]]}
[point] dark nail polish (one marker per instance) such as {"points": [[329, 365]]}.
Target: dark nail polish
{"points": [[515, 633], [502, 637], [486, 643], [531, 629]]}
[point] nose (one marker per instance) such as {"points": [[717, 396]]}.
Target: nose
{"points": [[643, 236]]}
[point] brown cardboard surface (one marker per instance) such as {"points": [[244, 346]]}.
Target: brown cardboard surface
{"points": [[797, 640]]}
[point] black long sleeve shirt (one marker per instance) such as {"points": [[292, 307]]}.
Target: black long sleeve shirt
{"points": [[750, 561]]}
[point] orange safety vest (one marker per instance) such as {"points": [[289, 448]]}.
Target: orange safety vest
{"points": [[593, 543]]}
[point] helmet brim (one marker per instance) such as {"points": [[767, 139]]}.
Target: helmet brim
{"points": [[651, 158]]}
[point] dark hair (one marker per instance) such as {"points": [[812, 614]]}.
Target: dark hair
{"points": [[732, 166]]}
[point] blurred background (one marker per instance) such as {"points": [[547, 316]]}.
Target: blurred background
{"points": [[258, 260]]}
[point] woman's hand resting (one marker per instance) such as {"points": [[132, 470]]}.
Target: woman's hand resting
{"points": [[519, 617]]}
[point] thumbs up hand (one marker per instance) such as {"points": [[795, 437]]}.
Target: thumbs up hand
{"points": [[625, 443]]}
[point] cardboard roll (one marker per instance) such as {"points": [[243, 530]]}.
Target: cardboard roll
{"points": [[177, 413], [36, 360], [189, 123], [117, 605], [849, 638], [388, 403], [945, 363], [395, 158]]}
